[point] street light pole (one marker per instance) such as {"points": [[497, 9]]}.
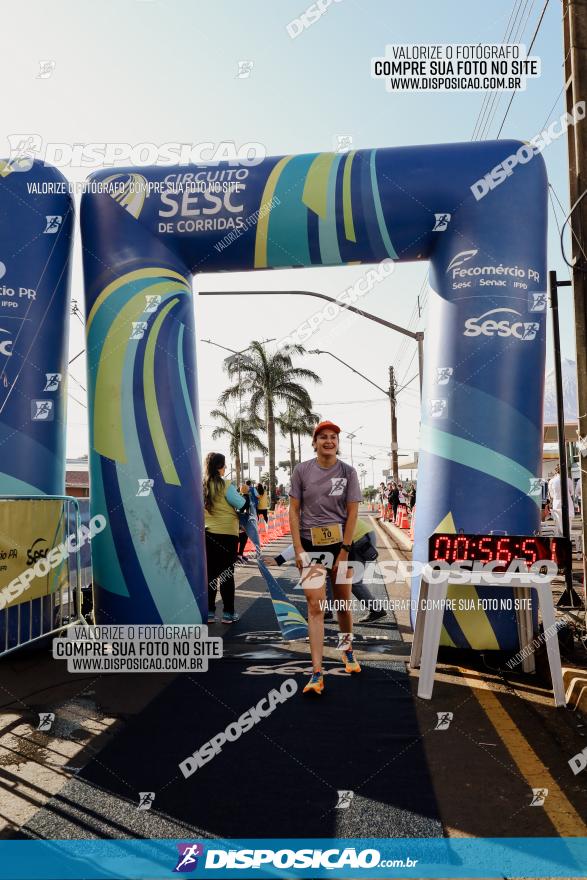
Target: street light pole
{"points": [[417, 335], [569, 597], [574, 20], [372, 459], [362, 474], [351, 437]]}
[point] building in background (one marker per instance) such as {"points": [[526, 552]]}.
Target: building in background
{"points": [[77, 478]]}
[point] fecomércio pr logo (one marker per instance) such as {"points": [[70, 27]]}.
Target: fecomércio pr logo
{"points": [[461, 258], [188, 856]]}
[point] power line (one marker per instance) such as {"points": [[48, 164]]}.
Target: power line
{"points": [[408, 368], [529, 50], [76, 400], [75, 357], [403, 387], [490, 95], [544, 124], [513, 38], [348, 402], [561, 230], [71, 376], [487, 94]]}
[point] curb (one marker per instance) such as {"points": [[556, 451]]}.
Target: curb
{"points": [[575, 682], [401, 538]]}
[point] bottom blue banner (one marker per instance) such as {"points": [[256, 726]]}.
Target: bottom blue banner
{"points": [[357, 858]]}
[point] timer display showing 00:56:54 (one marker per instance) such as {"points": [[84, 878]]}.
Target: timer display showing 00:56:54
{"points": [[499, 548]]}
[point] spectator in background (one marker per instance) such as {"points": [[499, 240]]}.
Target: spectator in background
{"points": [[412, 496], [393, 496], [555, 495], [382, 497], [221, 503], [263, 504], [253, 494]]}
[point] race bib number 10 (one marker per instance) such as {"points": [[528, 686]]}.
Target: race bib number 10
{"points": [[325, 535]]}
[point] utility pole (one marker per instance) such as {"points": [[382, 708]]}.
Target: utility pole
{"points": [[575, 54], [390, 393], [392, 400]]}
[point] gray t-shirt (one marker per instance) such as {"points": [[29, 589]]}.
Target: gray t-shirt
{"points": [[323, 493]]}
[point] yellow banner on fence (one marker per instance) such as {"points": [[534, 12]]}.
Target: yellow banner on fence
{"points": [[29, 530]]}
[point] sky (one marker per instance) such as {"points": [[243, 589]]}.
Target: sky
{"points": [[135, 71]]}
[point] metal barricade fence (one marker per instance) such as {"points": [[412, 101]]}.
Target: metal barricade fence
{"points": [[36, 599]]}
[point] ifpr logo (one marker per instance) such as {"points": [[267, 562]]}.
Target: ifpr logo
{"points": [[189, 853]]}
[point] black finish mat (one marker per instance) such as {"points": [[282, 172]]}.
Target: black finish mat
{"points": [[280, 779]]}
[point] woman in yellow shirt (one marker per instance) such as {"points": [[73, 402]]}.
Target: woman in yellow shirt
{"points": [[262, 504], [221, 503]]}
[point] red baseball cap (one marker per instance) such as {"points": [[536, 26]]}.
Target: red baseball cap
{"points": [[325, 426]]}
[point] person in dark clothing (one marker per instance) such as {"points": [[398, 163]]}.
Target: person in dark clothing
{"points": [[394, 499], [412, 496]]}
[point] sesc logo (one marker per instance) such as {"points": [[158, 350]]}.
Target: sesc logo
{"points": [[36, 551], [485, 325]]}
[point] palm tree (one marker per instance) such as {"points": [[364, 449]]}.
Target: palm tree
{"points": [[296, 420], [237, 428], [305, 428], [270, 379]]}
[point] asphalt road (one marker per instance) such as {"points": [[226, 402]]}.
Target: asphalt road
{"points": [[486, 757]]}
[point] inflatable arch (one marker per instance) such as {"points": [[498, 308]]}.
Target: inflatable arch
{"points": [[36, 227], [146, 234]]}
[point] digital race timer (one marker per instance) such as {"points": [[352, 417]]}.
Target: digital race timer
{"points": [[499, 548]]}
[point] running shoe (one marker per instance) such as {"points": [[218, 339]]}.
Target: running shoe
{"points": [[230, 618], [212, 617], [373, 616], [350, 664], [315, 685]]}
